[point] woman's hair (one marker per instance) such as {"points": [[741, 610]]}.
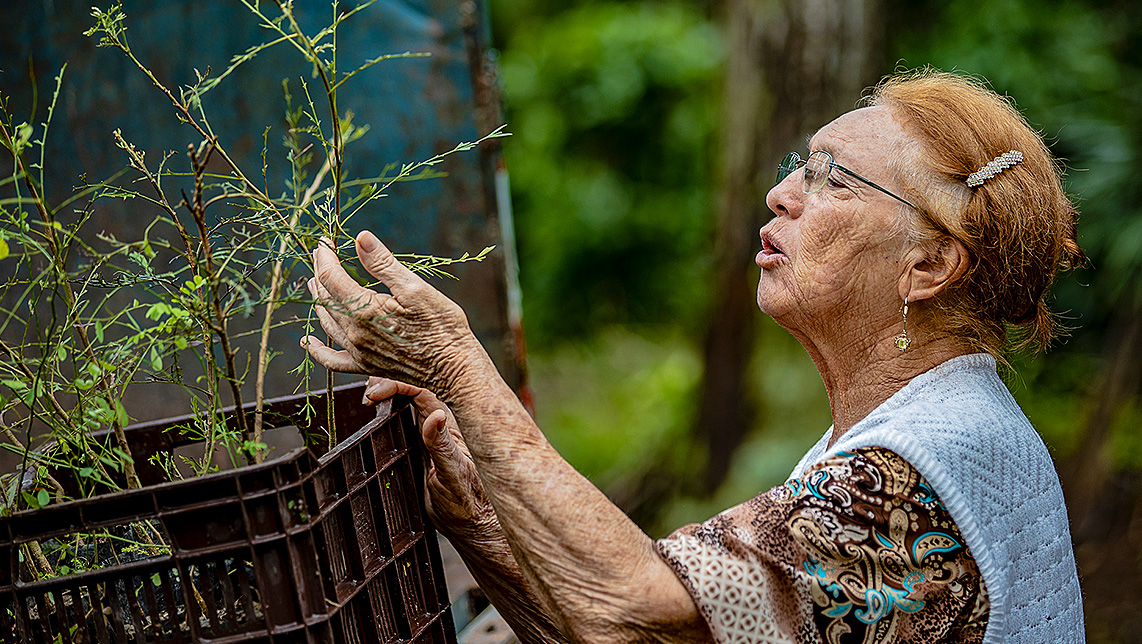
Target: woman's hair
{"points": [[1018, 226]]}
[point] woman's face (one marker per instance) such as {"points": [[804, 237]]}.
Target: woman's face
{"points": [[831, 262]]}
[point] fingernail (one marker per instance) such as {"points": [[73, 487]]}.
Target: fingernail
{"points": [[441, 429], [367, 241]]}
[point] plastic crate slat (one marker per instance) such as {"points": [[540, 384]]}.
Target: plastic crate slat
{"points": [[79, 612], [243, 579], [116, 611], [382, 612], [21, 624], [97, 616], [137, 621], [153, 616], [110, 573], [43, 612], [178, 633], [205, 587], [228, 595]]}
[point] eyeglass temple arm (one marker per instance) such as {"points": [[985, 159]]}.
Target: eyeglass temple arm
{"points": [[885, 191]]}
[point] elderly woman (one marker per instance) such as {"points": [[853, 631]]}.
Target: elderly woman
{"points": [[919, 233]]}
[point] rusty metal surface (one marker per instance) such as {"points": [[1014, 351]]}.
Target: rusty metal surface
{"points": [[415, 108]]}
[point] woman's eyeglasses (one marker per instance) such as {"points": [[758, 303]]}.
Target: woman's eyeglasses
{"points": [[817, 169]]}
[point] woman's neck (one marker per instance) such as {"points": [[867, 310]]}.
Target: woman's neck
{"points": [[860, 373]]}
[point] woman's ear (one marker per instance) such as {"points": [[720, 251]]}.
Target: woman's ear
{"points": [[931, 272]]}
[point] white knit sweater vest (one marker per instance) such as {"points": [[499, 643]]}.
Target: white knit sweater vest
{"points": [[959, 426]]}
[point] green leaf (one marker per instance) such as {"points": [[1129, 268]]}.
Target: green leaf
{"points": [[14, 385], [102, 410], [86, 471], [110, 462], [3, 249], [43, 498], [23, 135], [121, 414], [30, 500]]}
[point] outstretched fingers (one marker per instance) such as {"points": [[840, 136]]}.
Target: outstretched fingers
{"points": [[382, 265], [329, 357]]}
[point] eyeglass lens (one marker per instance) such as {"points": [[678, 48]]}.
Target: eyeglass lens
{"points": [[817, 168], [788, 166]]}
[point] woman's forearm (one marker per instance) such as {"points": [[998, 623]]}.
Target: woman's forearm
{"points": [[592, 569], [492, 564]]}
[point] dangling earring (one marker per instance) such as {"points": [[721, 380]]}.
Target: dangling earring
{"points": [[902, 340]]}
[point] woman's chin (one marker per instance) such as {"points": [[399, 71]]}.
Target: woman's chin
{"points": [[771, 301]]}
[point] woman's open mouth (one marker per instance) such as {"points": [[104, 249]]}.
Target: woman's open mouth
{"points": [[771, 253]]}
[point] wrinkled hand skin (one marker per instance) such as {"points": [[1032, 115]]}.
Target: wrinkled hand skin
{"points": [[415, 334]]}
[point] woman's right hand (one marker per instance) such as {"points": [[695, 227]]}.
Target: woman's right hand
{"points": [[457, 503]]}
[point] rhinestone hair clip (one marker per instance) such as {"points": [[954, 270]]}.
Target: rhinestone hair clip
{"points": [[994, 167]]}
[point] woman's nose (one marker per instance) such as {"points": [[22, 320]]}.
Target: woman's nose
{"points": [[786, 198]]}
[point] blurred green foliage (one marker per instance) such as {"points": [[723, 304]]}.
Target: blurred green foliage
{"points": [[614, 107]]}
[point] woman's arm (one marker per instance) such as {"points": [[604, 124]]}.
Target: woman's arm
{"points": [[594, 571], [460, 510]]}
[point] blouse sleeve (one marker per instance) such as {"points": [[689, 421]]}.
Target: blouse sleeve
{"points": [[858, 549]]}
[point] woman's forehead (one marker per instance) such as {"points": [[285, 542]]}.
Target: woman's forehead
{"points": [[862, 133]]}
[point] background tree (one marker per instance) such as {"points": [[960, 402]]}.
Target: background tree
{"points": [[791, 68]]}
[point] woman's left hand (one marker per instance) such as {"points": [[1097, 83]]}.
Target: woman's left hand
{"points": [[457, 503], [414, 334]]}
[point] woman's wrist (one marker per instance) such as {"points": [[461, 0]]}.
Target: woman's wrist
{"points": [[478, 534], [466, 374]]}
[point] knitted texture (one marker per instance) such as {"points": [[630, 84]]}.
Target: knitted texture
{"points": [[959, 426]]}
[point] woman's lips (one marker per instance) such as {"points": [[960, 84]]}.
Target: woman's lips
{"points": [[771, 254]]}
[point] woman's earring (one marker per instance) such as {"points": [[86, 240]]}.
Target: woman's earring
{"points": [[902, 340]]}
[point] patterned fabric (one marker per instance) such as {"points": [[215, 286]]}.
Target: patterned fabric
{"points": [[959, 426], [857, 549]]}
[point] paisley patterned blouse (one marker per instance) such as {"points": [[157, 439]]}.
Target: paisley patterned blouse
{"points": [[857, 550]]}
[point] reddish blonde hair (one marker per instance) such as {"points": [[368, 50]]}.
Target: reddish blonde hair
{"points": [[1018, 227]]}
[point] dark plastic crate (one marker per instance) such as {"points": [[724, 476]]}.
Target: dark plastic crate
{"points": [[308, 547]]}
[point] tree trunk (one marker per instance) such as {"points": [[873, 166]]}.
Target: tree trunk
{"points": [[793, 66], [1090, 466]]}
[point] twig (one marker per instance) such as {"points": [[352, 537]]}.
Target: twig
{"points": [[271, 305]]}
